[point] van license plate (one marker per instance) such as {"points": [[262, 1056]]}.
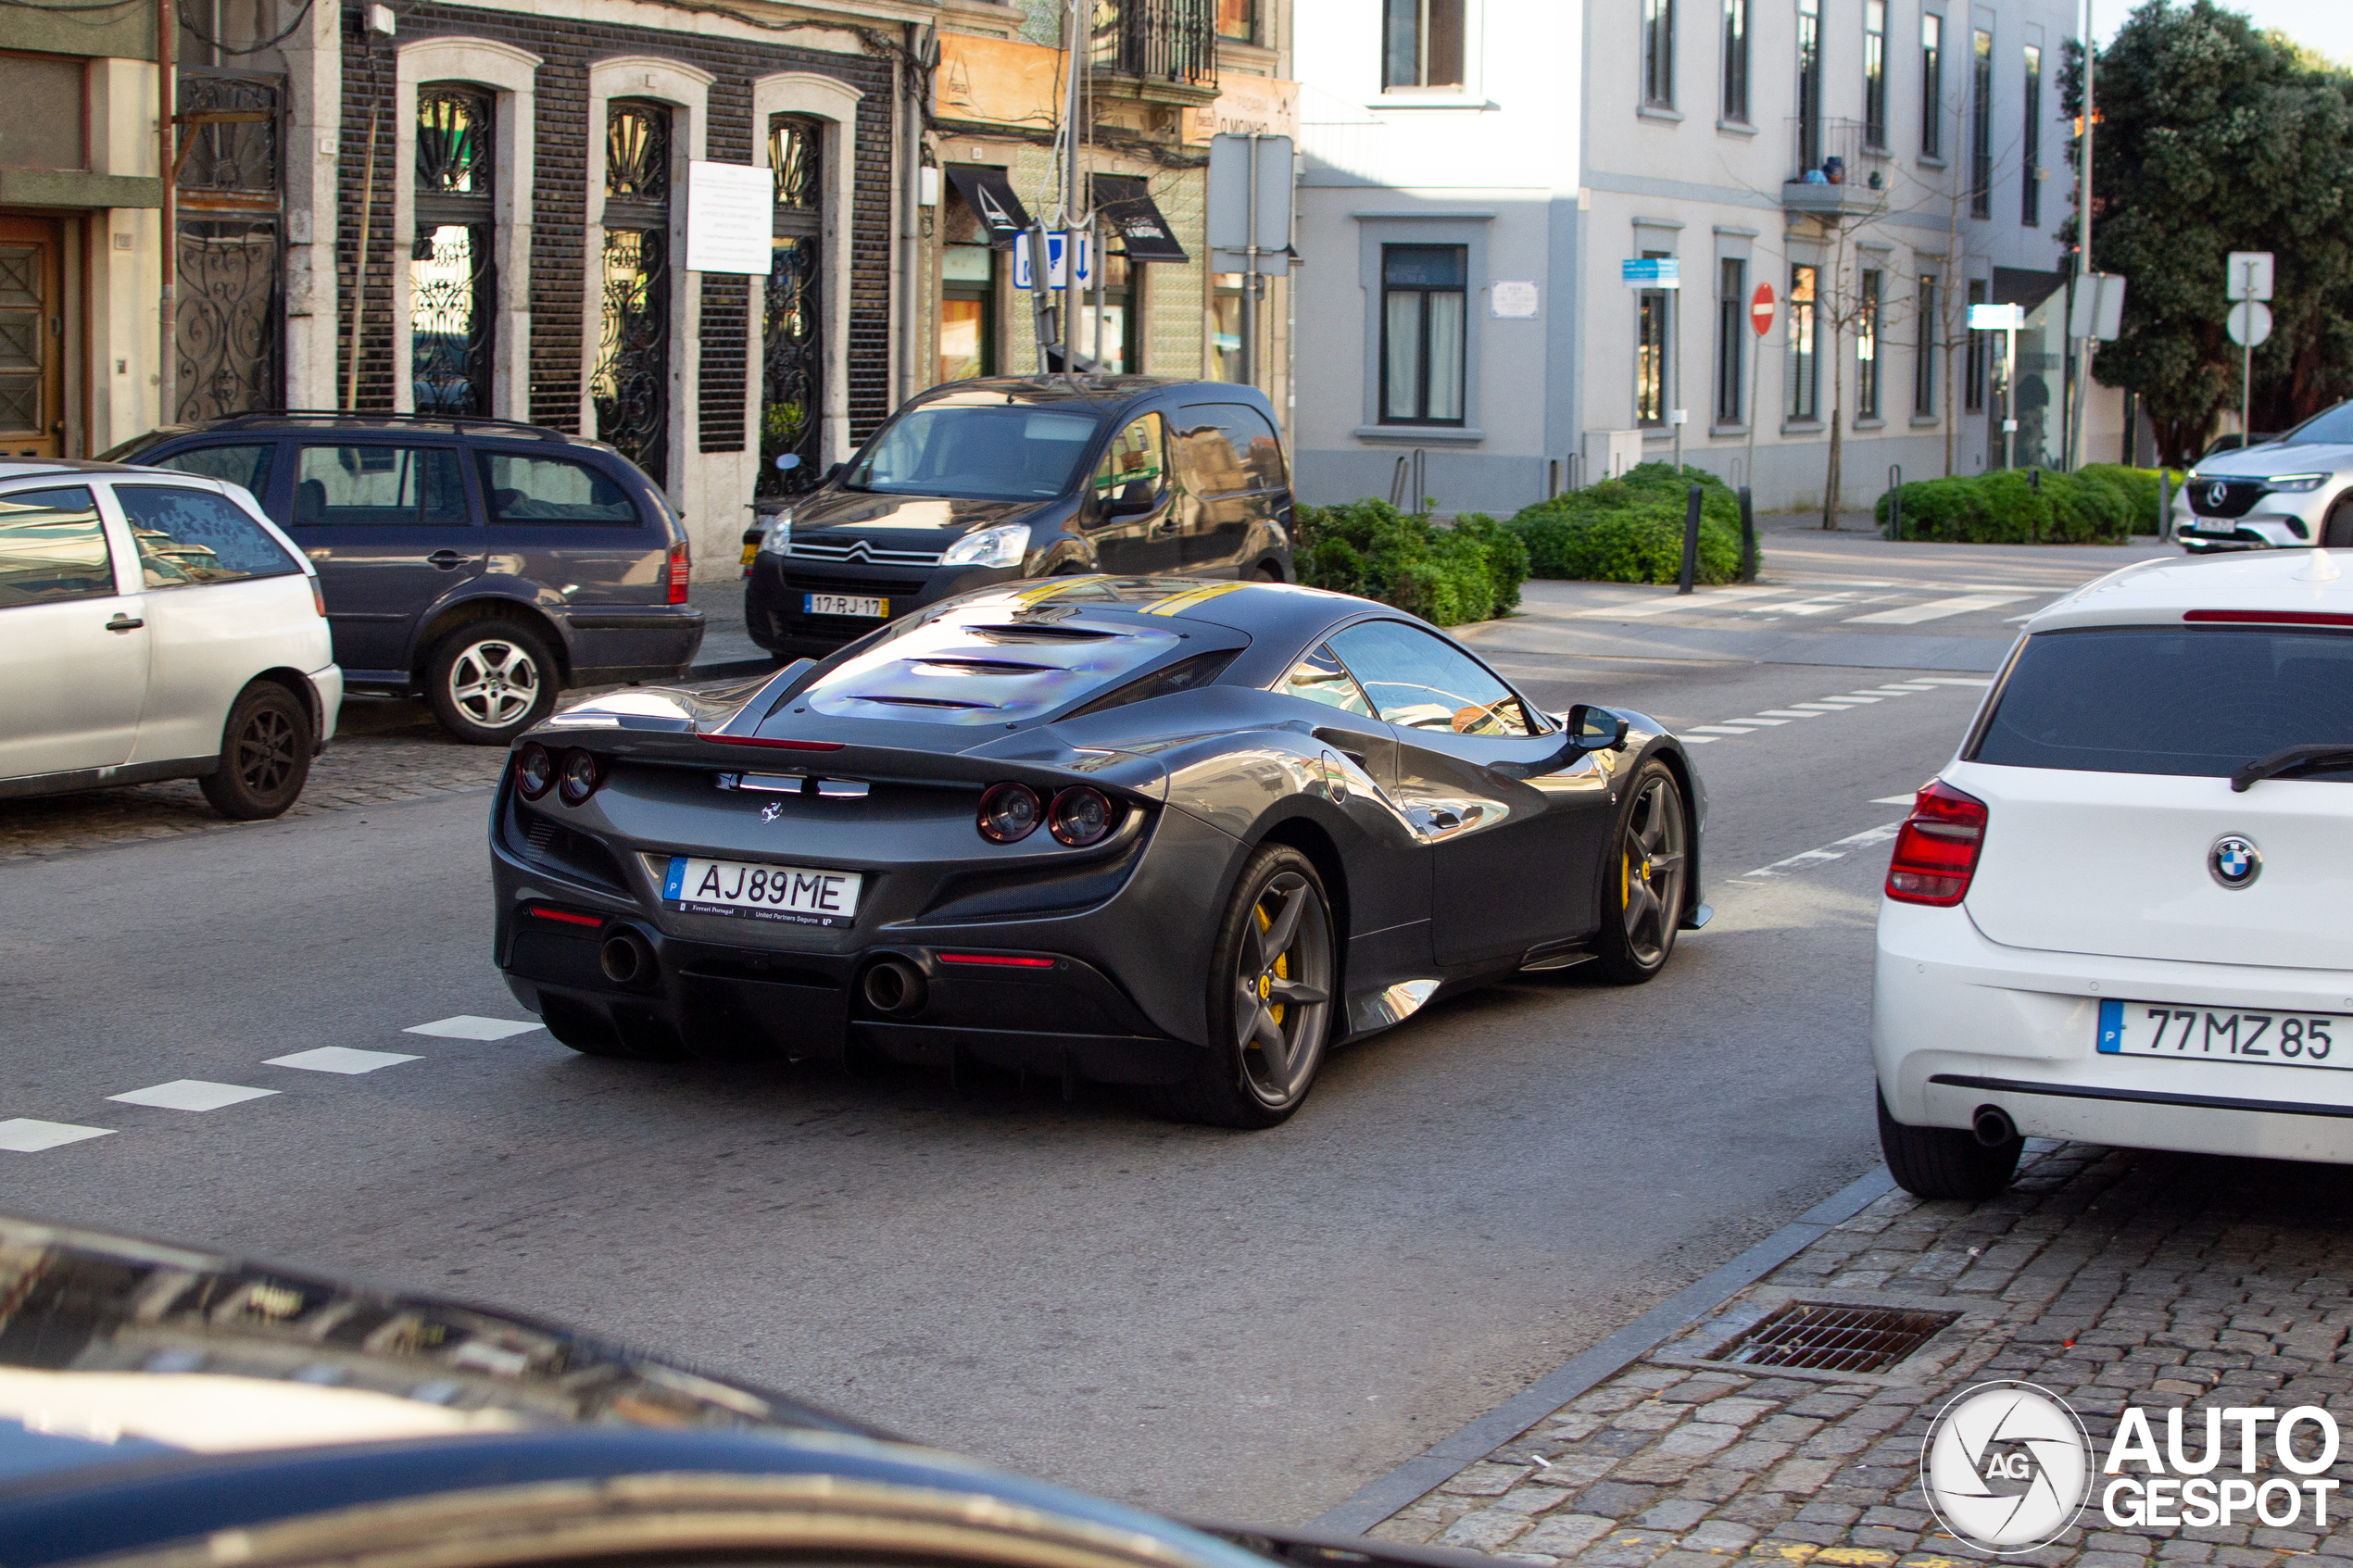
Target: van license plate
{"points": [[797, 894], [2271, 1038], [845, 604]]}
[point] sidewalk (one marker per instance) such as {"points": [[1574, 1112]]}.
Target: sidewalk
{"points": [[2109, 1277]]}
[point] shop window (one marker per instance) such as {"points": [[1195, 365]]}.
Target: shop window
{"points": [[967, 311]]}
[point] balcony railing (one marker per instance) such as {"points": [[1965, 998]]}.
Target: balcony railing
{"points": [[1834, 168], [1173, 40]]}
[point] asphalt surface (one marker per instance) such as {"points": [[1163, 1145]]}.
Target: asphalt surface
{"points": [[1226, 1324]]}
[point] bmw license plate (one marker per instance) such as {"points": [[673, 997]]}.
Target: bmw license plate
{"points": [[845, 604], [797, 894], [2271, 1038]]}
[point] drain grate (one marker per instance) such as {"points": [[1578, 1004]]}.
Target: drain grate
{"points": [[1832, 1338]]}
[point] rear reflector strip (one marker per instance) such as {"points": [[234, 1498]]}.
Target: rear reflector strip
{"points": [[996, 961], [565, 916], [773, 745], [2270, 617]]}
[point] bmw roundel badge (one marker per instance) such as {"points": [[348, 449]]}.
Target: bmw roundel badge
{"points": [[2235, 862]]}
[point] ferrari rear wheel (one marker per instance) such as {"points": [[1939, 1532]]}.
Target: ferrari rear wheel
{"points": [[1642, 882], [1270, 999]]}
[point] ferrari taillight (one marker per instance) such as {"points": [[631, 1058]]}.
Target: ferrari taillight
{"points": [[680, 566], [1936, 849]]}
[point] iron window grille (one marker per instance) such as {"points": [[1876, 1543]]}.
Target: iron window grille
{"points": [[1174, 40], [452, 272], [792, 357], [630, 383]]}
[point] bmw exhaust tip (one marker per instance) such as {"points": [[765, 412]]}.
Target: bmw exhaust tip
{"points": [[894, 988], [626, 958], [1994, 1127]]}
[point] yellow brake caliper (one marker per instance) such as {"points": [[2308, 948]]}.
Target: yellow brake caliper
{"points": [[1282, 970]]}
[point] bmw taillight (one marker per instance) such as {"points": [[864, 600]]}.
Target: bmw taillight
{"points": [[582, 774], [534, 771], [1936, 849], [680, 566]]}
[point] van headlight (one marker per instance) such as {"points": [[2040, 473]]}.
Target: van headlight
{"points": [[991, 547], [779, 539], [2297, 481]]}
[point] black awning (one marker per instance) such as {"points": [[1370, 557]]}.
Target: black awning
{"points": [[990, 196], [1130, 212]]}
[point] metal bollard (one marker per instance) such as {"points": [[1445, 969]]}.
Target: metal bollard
{"points": [[2164, 506], [1748, 537], [1896, 501], [1691, 541]]}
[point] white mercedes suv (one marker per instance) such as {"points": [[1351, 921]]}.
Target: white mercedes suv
{"points": [[2119, 914], [2291, 491]]}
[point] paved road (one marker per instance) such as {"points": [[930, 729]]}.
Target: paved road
{"points": [[1245, 1325]]}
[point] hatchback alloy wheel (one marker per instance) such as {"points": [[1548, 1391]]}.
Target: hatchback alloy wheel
{"points": [[494, 682]]}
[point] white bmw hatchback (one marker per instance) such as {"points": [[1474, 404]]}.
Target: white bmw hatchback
{"points": [[156, 625], [2120, 913]]}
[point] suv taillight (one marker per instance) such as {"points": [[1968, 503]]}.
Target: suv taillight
{"points": [[679, 567], [1936, 849]]}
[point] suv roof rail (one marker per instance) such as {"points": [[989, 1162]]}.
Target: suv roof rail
{"points": [[365, 416]]}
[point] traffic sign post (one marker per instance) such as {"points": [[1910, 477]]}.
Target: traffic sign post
{"points": [[1760, 317], [2249, 323]]}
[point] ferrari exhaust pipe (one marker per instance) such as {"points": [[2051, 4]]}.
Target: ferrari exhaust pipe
{"points": [[894, 988], [626, 958], [1994, 1127]]}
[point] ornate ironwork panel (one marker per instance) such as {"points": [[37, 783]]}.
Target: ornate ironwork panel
{"points": [[1161, 40], [630, 385], [454, 129], [791, 370], [227, 155], [452, 297], [637, 151], [792, 157], [228, 324]]}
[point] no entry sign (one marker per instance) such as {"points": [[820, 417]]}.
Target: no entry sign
{"points": [[1760, 310]]}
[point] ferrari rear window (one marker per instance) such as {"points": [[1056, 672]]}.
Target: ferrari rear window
{"points": [[2187, 700]]}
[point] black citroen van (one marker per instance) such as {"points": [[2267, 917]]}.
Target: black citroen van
{"points": [[981, 482]]}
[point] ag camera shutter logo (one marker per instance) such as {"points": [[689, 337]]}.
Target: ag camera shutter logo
{"points": [[2006, 1466]]}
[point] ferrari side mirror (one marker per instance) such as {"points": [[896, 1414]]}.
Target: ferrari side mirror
{"points": [[1595, 729]]}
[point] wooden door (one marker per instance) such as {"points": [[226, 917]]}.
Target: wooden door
{"points": [[32, 341]]}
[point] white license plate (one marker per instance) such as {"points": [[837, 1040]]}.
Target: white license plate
{"points": [[2269, 1038], [2214, 525], [845, 604], [797, 894]]}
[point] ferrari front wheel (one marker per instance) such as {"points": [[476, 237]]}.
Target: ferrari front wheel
{"points": [[1270, 999], [1643, 881]]}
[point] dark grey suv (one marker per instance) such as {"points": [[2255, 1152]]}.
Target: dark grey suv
{"points": [[483, 564], [981, 482]]}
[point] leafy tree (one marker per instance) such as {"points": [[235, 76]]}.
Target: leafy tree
{"points": [[2215, 137]]}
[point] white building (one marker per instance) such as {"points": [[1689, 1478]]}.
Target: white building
{"points": [[1476, 173]]}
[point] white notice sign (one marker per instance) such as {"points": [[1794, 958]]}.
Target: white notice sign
{"points": [[1511, 299], [729, 217]]}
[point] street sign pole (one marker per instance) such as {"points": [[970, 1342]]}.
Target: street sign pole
{"points": [[2247, 282], [1760, 316], [1250, 276]]}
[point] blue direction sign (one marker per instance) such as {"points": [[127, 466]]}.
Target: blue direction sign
{"points": [[1057, 247], [1651, 272]]}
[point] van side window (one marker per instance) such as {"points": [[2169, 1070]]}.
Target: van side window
{"points": [[1230, 447], [379, 487], [527, 489], [246, 463], [1138, 452]]}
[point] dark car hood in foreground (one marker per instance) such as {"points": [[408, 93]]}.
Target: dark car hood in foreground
{"points": [[923, 522], [152, 1397]]}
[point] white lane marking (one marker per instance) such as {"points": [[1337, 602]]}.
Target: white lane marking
{"points": [[1768, 723], [1856, 697], [1836, 850], [339, 1059], [1788, 713], [1935, 610], [191, 1094], [1632, 609], [1894, 800], [1905, 687], [466, 1027], [1811, 607], [1979, 681], [1722, 730], [22, 1134], [1690, 739]]}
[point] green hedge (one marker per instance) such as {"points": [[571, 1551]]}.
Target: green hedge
{"points": [[2098, 504], [1448, 576], [1630, 529]]}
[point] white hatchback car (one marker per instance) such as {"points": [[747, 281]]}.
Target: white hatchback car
{"points": [[156, 625], [2119, 914]]}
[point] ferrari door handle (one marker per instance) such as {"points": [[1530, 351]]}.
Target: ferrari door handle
{"points": [[448, 560], [122, 622]]}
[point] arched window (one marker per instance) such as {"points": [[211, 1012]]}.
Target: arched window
{"points": [[630, 385], [792, 359], [452, 273]]}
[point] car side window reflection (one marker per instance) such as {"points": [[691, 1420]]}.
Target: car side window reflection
{"points": [[51, 546], [1423, 682], [1322, 678], [1138, 452]]}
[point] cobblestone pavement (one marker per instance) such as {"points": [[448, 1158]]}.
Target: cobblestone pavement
{"points": [[383, 751], [2107, 1277]]}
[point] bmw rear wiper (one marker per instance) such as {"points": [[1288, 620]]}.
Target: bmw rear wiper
{"points": [[2244, 776]]}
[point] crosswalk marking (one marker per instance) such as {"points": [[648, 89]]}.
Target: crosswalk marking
{"points": [[24, 1134], [191, 1094], [1788, 713], [1935, 610], [467, 1026], [339, 1059]]}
